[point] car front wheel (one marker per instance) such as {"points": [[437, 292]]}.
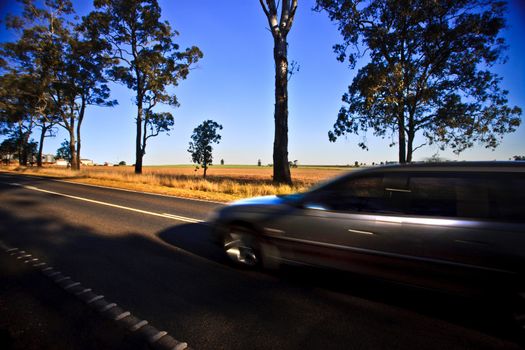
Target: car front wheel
{"points": [[240, 245]]}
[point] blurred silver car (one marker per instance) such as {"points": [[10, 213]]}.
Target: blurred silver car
{"points": [[427, 224]]}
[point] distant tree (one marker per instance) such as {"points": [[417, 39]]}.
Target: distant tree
{"points": [[356, 164], [519, 157], [200, 147], [65, 62], [64, 152], [122, 163], [149, 61], [47, 129], [17, 109], [8, 150], [259, 162], [222, 161], [435, 158], [18, 147], [280, 26], [429, 72]]}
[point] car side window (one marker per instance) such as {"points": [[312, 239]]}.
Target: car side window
{"points": [[364, 194], [486, 196], [506, 197], [432, 195]]}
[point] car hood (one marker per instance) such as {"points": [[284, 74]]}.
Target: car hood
{"points": [[265, 200]]}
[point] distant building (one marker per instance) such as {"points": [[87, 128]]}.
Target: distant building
{"points": [[61, 162], [87, 162], [7, 158], [48, 159]]}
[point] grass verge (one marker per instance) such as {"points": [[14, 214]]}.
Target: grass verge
{"points": [[225, 186]]}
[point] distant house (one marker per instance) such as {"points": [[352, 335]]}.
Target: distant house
{"points": [[7, 158], [48, 159], [61, 162], [87, 162]]}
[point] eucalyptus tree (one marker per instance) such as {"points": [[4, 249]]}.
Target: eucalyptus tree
{"points": [[27, 64], [149, 61], [200, 148], [64, 151], [429, 72], [65, 62], [17, 107], [280, 23], [80, 83], [47, 129]]}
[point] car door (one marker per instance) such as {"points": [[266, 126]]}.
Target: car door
{"points": [[341, 225], [469, 224]]}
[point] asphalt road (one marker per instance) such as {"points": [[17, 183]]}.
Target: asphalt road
{"points": [[152, 255]]}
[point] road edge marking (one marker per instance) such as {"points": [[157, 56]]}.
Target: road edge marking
{"points": [[117, 188], [159, 339], [163, 215]]}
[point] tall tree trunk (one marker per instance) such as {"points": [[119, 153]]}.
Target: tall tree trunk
{"points": [[139, 153], [280, 29], [281, 168], [23, 149], [72, 144], [73, 151], [401, 138], [44, 129], [410, 146], [79, 124]]}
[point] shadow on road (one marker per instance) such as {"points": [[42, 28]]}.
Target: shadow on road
{"points": [[483, 313], [179, 281], [196, 239]]}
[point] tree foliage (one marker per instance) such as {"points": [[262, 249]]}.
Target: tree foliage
{"points": [[149, 61], [18, 104], [63, 61], [200, 147], [64, 151], [19, 146], [429, 72]]}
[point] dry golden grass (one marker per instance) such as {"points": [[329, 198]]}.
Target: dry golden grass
{"points": [[222, 183]]}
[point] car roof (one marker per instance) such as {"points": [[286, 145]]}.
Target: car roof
{"points": [[463, 166]]}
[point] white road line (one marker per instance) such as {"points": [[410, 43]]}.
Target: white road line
{"points": [[74, 284], [121, 189], [83, 291], [181, 218], [138, 325], [165, 215], [107, 307], [92, 300], [122, 315], [157, 336]]}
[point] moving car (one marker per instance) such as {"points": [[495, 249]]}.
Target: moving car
{"points": [[435, 225]]}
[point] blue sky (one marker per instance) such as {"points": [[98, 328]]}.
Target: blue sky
{"points": [[234, 85]]}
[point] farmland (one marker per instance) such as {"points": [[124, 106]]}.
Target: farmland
{"points": [[223, 183]]}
